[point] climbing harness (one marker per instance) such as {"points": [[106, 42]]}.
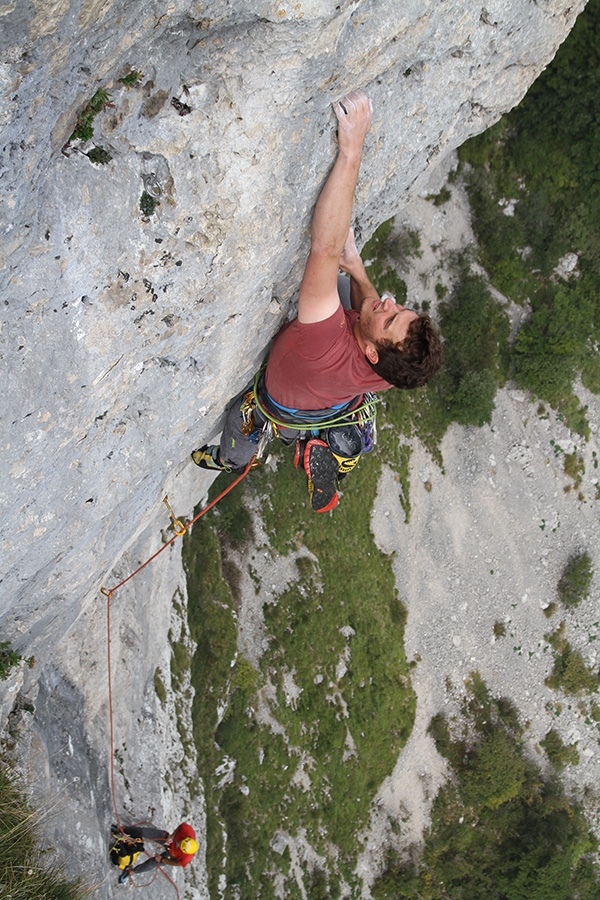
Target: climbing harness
{"points": [[125, 850], [260, 425], [365, 412]]}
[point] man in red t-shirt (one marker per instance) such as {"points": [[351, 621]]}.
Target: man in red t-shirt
{"points": [[325, 359], [177, 849]]}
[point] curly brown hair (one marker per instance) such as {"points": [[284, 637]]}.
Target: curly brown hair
{"points": [[413, 362]]}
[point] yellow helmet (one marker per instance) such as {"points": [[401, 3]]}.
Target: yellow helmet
{"points": [[189, 845]]}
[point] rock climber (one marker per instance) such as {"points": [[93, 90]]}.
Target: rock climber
{"points": [[175, 849], [322, 362]]}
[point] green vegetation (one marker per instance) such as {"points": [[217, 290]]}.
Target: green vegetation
{"points": [[499, 831], [180, 661], [24, 873], [475, 329], [84, 129], [574, 468], [555, 197], [576, 579], [499, 629], [570, 672], [212, 623], [439, 199], [148, 204], [132, 78], [559, 753], [99, 155], [334, 677], [9, 659], [159, 686]]}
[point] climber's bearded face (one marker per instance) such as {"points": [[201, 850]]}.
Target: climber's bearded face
{"points": [[384, 320]]}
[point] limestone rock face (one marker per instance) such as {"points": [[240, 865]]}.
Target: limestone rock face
{"points": [[140, 291]]}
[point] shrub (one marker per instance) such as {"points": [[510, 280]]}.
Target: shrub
{"points": [[439, 199], [84, 129], [132, 78], [569, 673], [9, 658], [99, 155], [576, 579], [473, 402], [147, 204], [494, 774], [245, 676], [475, 330], [559, 754]]}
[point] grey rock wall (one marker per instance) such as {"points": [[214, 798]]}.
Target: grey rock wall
{"points": [[123, 334]]}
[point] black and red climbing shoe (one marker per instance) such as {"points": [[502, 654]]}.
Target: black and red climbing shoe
{"points": [[299, 453], [321, 468]]}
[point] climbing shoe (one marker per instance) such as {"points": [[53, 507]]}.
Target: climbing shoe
{"points": [[321, 468], [124, 875], [208, 457], [299, 453], [346, 444]]}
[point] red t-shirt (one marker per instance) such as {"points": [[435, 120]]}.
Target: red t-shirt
{"points": [[173, 848], [319, 365]]}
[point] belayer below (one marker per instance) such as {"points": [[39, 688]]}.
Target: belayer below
{"points": [[175, 849], [323, 363]]}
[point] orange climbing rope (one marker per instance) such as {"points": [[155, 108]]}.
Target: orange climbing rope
{"points": [[180, 530]]}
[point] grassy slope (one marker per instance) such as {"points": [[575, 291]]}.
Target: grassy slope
{"points": [[352, 585]]}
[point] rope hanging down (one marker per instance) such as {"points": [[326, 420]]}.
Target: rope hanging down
{"points": [[112, 745], [180, 530]]}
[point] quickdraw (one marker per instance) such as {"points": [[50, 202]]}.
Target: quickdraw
{"points": [[177, 525], [247, 409]]}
